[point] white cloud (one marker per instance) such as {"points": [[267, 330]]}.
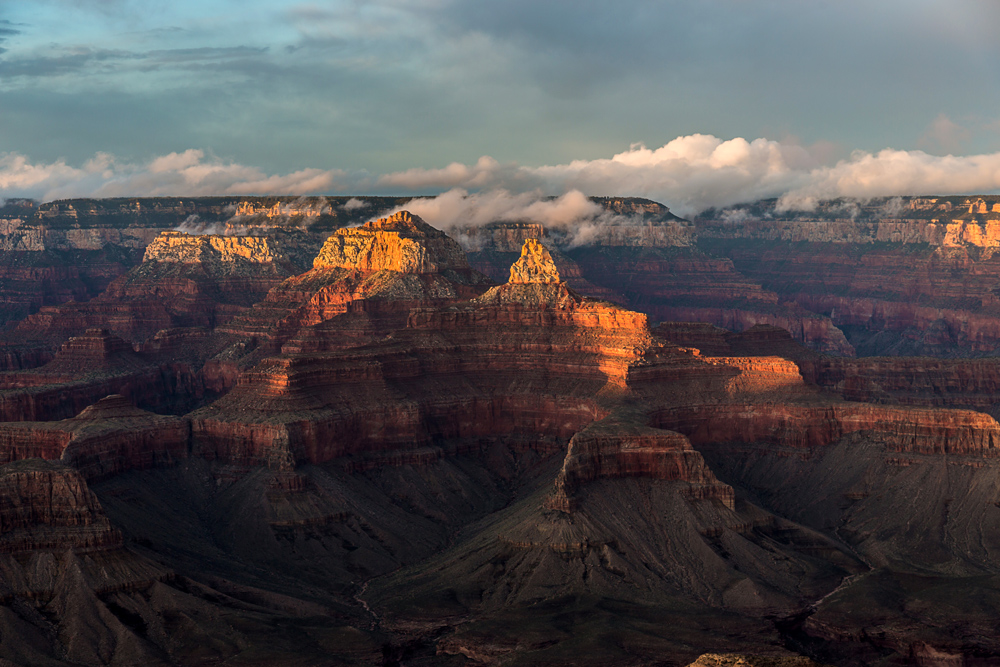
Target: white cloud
{"points": [[458, 209], [572, 217], [184, 174], [688, 174], [695, 172], [353, 204]]}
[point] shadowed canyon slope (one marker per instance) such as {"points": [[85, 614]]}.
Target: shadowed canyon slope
{"points": [[312, 443]]}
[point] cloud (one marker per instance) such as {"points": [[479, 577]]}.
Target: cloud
{"points": [[688, 174], [354, 204], [695, 172], [65, 61], [458, 209], [481, 174], [572, 218], [189, 173], [7, 30], [893, 172]]}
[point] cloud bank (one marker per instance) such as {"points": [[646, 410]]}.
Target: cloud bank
{"points": [[689, 174], [190, 173]]}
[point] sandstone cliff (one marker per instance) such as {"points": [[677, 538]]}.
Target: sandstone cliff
{"points": [[616, 448], [48, 506], [401, 242], [908, 277], [107, 438], [90, 367], [363, 283]]}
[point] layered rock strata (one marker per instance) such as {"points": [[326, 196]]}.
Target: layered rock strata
{"points": [[906, 277], [47, 506], [105, 439], [424, 396], [90, 367], [184, 281], [318, 407], [615, 448], [375, 273]]}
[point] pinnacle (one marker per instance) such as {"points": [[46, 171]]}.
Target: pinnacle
{"points": [[535, 265]]}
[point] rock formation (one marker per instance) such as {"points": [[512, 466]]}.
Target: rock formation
{"points": [[88, 368], [107, 438], [402, 242], [912, 276], [535, 265], [47, 506], [615, 448], [372, 444]]}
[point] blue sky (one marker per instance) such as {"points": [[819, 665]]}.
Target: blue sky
{"points": [[352, 96]]}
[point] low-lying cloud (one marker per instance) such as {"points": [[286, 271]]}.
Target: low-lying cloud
{"points": [[572, 216], [189, 173], [692, 173], [689, 174]]}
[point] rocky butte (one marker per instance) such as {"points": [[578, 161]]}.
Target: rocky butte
{"points": [[338, 438]]}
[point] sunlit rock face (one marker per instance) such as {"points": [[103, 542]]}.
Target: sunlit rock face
{"points": [[401, 242], [181, 247], [534, 266], [403, 438]]}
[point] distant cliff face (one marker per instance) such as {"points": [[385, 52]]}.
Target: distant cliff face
{"points": [[48, 506], [913, 275], [947, 222], [181, 247], [402, 242]]}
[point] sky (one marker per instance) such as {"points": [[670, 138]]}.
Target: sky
{"points": [[694, 103]]}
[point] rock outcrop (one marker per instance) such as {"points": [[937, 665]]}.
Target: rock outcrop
{"points": [[90, 367], [912, 276], [401, 242], [615, 448], [47, 506], [916, 381], [535, 265], [210, 249], [319, 407], [368, 278], [105, 439]]}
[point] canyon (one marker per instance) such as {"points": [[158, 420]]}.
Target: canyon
{"points": [[323, 431]]}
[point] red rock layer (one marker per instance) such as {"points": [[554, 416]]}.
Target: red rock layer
{"points": [[105, 439], [535, 357], [816, 331], [30, 280], [760, 340], [765, 399], [898, 429], [917, 381], [185, 281], [381, 269], [88, 368], [523, 358], [46, 506], [612, 449], [684, 284], [323, 294], [938, 299]]}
